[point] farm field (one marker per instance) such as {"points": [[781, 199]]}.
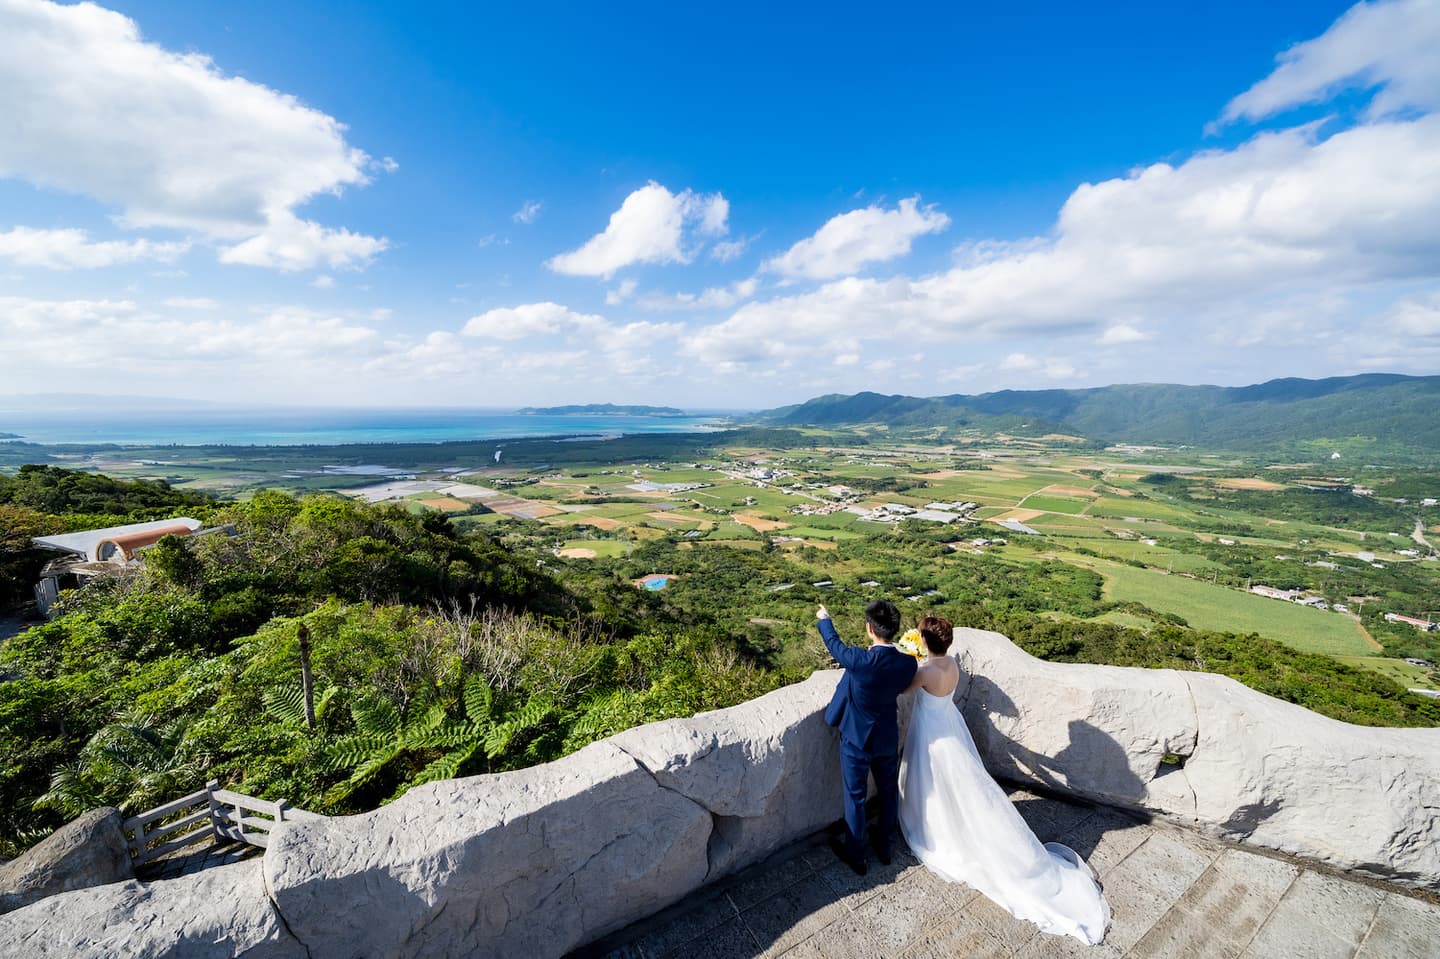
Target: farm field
{"points": [[1411, 677], [1176, 532], [591, 548], [1208, 606]]}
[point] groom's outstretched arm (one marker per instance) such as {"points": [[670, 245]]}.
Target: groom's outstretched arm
{"points": [[847, 656]]}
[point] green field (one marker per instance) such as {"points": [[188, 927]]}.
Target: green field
{"points": [[1207, 606], [1056, 504], [602, 547], [1411, 677], [1121, 507], [816, 532]]}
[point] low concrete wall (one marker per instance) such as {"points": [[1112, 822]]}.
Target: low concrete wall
{"points": [[535, 862]]}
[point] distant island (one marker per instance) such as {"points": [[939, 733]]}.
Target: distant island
{"points": [[601, 409]]}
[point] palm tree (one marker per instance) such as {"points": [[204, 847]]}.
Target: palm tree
{"points": [[132, 765]]}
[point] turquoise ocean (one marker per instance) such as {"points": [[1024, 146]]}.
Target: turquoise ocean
{"points": [[324, 427]]}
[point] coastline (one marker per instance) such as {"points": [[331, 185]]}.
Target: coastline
{"points": [[305, 429]]}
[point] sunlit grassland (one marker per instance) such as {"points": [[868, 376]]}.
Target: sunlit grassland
{"points": [[601, 547], [1210, 606], [729, 529], [733, 543], [815, 532], [679, 474], [668, 522], [1120, 507], [1056, 504], [1008, 490], [1411, 677]]}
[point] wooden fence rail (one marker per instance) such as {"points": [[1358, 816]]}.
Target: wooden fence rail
{"points": [[212, 813]]}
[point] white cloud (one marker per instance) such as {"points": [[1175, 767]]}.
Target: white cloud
{"points": [[1392, 45], [1267, 256], [1417, 317], [621, 293], [73, 249], [1164, 246], [727, 250], [851, 240], [1122, 333], [169, 138], [1052, 367], [649, 227], [710, 298], [616, 349], [290, 243], [714, 215], [65, 340], [323, 282], [531, 319], [529, 212], [192, 303], [439, 354]]}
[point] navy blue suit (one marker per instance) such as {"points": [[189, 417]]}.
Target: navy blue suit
{"points": [[864, 710]]}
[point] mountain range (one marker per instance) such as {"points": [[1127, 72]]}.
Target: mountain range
{"points": [[1378, 408]]}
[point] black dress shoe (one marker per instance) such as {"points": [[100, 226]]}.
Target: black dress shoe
{"points": [[857, 866], [886, 856]]}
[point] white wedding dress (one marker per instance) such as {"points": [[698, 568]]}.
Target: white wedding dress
{"points": [[960, 824]]}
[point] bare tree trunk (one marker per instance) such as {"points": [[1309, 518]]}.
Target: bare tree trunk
{"points": [[307, 682]]}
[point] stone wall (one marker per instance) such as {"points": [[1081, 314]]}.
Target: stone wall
{"points": [[535, 862], [1245, 766]]}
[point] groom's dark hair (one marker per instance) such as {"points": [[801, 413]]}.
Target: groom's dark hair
{"points": [[883, 618]]}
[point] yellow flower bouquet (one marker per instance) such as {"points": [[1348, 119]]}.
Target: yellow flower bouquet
{"points": [[911, 644]]}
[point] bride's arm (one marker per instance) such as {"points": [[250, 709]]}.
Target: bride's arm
{"points": [[918, 681]]}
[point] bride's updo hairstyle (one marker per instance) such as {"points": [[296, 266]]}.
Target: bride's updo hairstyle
{"points": [[937, 633]]}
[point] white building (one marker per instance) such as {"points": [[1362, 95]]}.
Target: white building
{"points": [[1270, 592], [96, 552]]}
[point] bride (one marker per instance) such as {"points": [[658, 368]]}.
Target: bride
{"points": [[961, 825]]}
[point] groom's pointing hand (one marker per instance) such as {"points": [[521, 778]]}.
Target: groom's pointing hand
{"points": [[822, 613]]}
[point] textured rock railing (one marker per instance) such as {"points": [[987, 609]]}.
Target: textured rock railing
{"points": [[1245, 766], [535, 862]]}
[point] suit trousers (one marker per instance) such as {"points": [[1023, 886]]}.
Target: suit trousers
{"points": [[856, 765]]}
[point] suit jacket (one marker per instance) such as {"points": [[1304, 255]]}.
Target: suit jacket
{"points": [[863, 707]]}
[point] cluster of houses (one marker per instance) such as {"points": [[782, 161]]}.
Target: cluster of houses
{"points": [[930, 512], [818, 509], [648, 486], [1421, 624], [1297, 596], [1302, 598]]}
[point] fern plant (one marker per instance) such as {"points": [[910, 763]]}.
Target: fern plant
{"points": [[383, 736], [287, 704]]}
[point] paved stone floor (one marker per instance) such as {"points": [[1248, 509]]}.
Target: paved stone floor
{"points": [[191, 859], [1172, 893]]}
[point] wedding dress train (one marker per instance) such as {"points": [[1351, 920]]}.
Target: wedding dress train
{"points": [[960, 824]]}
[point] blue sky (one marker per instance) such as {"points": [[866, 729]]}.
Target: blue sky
{"points": [[275, 202]]}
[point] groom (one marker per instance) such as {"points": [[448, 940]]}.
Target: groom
{"points": [[864, 710]]}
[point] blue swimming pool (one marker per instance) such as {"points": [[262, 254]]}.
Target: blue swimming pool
{"points": [[655, 582]]}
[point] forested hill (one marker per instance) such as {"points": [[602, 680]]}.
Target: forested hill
{"points": [[1385, 408]]}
